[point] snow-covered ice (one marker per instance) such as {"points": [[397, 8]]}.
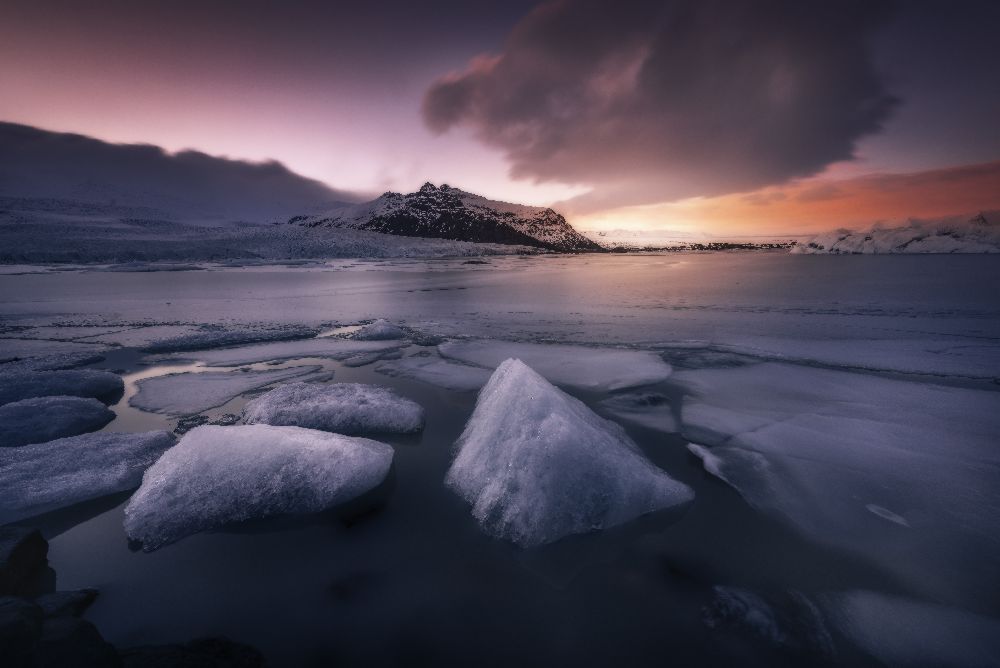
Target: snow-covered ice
{"points": [[41, 419], [218, 475], [71, 383], [904, 632], [538, 465], [344, 408], [190, 393], [45, 476], [651, 410], [219, 337], [380, 330], [324, 347], [579, 367], [433, 370], [905, 474]]}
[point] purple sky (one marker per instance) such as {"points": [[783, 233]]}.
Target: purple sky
{"points": [[599, 107]]}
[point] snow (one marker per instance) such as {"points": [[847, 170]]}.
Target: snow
{"points": [[904, 632], [901, 473], [345, 408], [323, 347], [954, 234], [538, 465], [380, 330], [578, 367], [190, 393], [218, 475], [42, 419], [651, 410], [45, 476], [74, 383], [433, 370]]}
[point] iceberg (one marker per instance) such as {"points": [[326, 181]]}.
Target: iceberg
{"points": [[344, 408], [42, 419], [380, 330], [45, 476], [217, 475], [73, 383], [538, 465], [903, 474], [435, 371], [578, 367], [190, 393]]}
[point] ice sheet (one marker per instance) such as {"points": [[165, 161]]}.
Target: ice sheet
{"points": [[433, 370], [44, 418]]}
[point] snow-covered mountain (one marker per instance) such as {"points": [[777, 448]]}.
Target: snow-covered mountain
{"points": [[450, 213], [954, 234]]}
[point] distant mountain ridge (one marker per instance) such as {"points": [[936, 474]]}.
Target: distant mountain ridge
{"points": [[450, 213]]}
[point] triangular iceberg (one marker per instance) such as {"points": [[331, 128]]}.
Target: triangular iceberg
{"points": [[537, 464]]}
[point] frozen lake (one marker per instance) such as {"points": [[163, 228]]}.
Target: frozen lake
{"points": [[844, 412]]}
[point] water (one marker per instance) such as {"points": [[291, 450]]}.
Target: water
{"points": [[416, 581]]}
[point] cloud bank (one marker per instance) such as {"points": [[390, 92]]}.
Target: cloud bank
{"points": [[39, 163], [657, 101]]}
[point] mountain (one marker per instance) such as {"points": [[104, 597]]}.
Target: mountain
{"points": [[450, 213], [952, 234], [189, 185]]}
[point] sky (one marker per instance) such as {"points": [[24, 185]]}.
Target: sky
{"points": [[720, 117]]}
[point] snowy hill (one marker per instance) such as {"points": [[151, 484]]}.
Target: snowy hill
{"points": [[955, 234], [450, 213]]}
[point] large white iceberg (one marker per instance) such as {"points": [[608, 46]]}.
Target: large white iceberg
{"points": [[579, 367], [537, 464], [217, 475], [904, 474], [71, 383], [433, 370], [345, 408], [44, 476], [42, 419], [190, 393]]}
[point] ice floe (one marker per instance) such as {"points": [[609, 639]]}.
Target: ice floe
{"points": [[41, 419], [579, 367], [44, 476], [345, 408], [380, 330], [218, 475], [904, 632], [538, 465], [72, 383], [327, 347], [189, 393], [905, 474], [219, 337], [433, 370]]}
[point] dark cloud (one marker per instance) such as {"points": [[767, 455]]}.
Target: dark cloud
{"points": [[652, 101], [39, 163]]}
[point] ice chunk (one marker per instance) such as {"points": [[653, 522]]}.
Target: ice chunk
{"points": [[579, 367], [537, 464], [904, 632], [380, 330], [189, 393], [436, 371], [44, 476], [345, 408], [42, 419], [648, 409], [327, 347], [74, 383], [904, 474], [217, 475]]}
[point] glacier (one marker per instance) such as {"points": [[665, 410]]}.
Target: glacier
{"points": [[218, 475], [44, 476], [536, 464], [344, 408]]}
